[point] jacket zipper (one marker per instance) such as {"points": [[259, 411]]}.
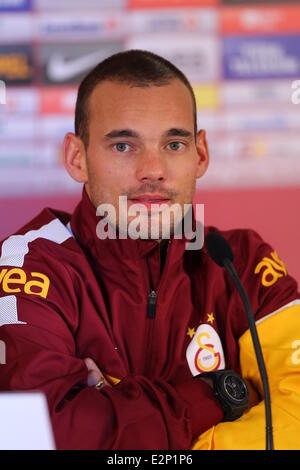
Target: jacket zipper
{"points": [[152, 299], [151, 313]]}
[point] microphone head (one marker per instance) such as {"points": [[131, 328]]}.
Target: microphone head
{"points": [[218, 248]]}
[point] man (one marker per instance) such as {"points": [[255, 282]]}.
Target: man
{"points": [[117, 331]]}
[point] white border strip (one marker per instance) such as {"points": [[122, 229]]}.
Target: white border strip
{"points": [[15, 247], [291, 304], [69, 228]]}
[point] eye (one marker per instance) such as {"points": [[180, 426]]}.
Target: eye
{"points": [[122, 147], [175, 145]]}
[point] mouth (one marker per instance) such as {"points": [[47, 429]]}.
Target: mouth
{"points": [[150, 201]]}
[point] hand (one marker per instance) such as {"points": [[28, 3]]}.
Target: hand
{"points": [[94, 374]]}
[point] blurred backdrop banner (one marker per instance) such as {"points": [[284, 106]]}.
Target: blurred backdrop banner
{"points": [[242, 58]]}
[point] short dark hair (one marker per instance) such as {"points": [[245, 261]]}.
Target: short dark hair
{"points": [[134, 67]]}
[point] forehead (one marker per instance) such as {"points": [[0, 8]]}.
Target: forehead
{"points": [[115, 104]]}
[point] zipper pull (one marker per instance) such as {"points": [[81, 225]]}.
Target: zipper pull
{"points": [[152, 297]]}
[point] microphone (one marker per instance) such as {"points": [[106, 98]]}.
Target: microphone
{"points": [[221, 253]]}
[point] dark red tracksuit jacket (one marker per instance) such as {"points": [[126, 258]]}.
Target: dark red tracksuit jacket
{"points": [[66, 295]]}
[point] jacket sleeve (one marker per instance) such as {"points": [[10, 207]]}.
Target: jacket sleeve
{"points": [[40, 350], [277, 313]]}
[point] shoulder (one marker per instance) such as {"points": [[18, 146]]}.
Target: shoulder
{"points": [[44, 236], [255, 260], [35, 268], [38, 256], [247, 245], [238, 237], [262, 272]]}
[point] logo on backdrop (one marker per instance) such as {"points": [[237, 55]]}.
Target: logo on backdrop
{"points": [[15, 5], [16, 64], [69, 63]]}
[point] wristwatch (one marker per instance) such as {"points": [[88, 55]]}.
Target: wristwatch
{"points": [[230, 390]]}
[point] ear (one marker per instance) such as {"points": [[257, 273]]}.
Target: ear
{"points": [[74, 156], [203, 153]]}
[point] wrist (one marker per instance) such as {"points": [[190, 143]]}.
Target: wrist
{"points": [[230, 390], [204, 410], [207, 380]]}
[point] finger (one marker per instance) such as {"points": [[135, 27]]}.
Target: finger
{"points": [[94, 374], [90, 364], [94, 377]]}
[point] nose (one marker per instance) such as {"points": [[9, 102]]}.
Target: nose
{"points": [[151, 166]]}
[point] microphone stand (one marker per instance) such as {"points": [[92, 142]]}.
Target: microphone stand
{"points": [[258, 352]]}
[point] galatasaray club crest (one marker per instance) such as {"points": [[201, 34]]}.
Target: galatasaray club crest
{"points": [[205, 352]]}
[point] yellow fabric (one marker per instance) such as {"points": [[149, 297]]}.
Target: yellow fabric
{"points": [[112, 380], [279, 336]]}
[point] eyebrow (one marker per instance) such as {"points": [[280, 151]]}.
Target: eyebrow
{"points": [[178, 132], [173, 132], [121, 133]]}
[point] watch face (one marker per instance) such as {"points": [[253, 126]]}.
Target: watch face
{"points": [[235, 388]]}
